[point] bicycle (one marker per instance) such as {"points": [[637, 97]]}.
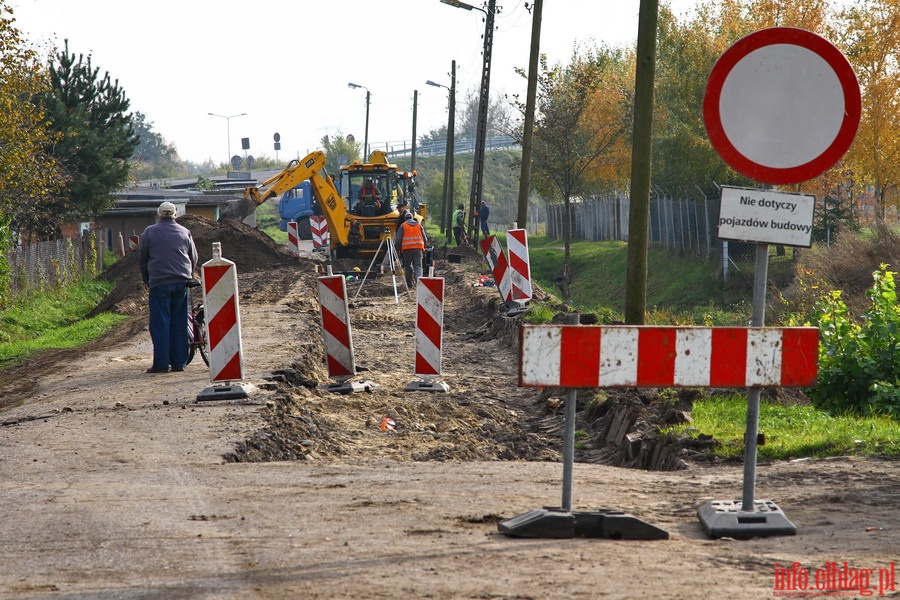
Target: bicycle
{"points": [[196, 327]]}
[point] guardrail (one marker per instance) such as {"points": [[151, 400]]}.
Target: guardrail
{"points": [[403, 148]]}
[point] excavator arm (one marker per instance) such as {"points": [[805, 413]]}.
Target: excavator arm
{"points": [[297, 172]]}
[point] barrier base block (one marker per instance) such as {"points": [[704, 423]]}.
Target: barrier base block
{"points": [[227, 391], [725, 518], [514, 307], [350, 387], [552, 522], [427, 386]]}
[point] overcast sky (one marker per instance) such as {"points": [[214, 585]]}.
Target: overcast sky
{"points": [[287, 63]]}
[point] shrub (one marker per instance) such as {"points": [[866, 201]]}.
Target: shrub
{"points": [[859, 363]]}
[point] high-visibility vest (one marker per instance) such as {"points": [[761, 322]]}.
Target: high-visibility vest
{"points": [[412, 237], [457, 217]]}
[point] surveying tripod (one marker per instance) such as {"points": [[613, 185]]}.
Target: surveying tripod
{"points": [[390, 258]]}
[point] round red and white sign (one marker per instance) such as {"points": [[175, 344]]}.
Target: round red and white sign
{"points": [[782, 105]]}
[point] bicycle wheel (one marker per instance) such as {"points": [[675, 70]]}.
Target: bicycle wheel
{"points": [[203, 354], [200, 337], [191, 345]]}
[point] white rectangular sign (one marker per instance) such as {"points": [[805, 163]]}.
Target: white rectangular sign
{"points": [[769, 216]]}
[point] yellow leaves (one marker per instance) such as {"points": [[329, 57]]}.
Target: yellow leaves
{"points": [[25, 171]]}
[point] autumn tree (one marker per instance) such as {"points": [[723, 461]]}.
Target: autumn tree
{"points": [[96, 136], [581, 121], [682, 155], [871, 34], [28, 175]]}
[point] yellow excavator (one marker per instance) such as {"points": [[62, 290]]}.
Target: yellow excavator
{"points": [[361, 214]]}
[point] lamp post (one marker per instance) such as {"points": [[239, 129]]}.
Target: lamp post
{"points": [[354, 86], [412, 166], [484, 97], [228, 130], [447, 206]]}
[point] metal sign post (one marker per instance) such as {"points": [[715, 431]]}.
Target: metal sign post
{"points": [[782, 106]]}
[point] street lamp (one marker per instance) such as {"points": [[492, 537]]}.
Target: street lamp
{"points": [[447, 207], [459, 4], [354, 86], [228, 129], [481, 122]]}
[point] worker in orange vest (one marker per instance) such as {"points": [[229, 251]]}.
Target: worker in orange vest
{"points": [[370, 199], [410, 242]]}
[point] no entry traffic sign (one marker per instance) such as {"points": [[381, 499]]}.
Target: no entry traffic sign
{"points": [[782, 105]]}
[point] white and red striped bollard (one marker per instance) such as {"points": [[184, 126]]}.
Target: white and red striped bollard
{"points": [[133, 241], [335, 316], [519, 264], [223, 317], [496, 260], [293, 240], [576, 356], [337, 336], [319, 228], [429, 335]]}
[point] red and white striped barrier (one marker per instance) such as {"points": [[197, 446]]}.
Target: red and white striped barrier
{"points": [[133, 241], [293, 240], [335, 315], [319, 228], [429, 335], [223, 319], [496, 260], [519, 264], [638, 356]]}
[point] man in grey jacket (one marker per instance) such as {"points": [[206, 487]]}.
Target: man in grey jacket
{"points": [[167, 257]]}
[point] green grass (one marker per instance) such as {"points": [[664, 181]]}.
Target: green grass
{"points": [[54, 319], [680, 290], [792, 431], [267, 221]]}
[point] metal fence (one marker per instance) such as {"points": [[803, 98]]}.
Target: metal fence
{"points": [[45, 265], [686, 225], [438, 147]]}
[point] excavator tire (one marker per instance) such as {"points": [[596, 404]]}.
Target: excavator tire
{"points": [[304, 230]]}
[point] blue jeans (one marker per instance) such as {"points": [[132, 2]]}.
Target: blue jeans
{"points": [[168, 325]]}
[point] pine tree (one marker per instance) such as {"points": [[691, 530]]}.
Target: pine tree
{"points": [[90, 112]]}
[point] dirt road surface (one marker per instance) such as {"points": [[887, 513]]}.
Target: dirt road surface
{"points": [[119, 484]]}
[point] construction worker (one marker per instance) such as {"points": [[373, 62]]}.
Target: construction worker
{"points": [[483, 215], [369, 198], [410, 241], [459, 223]]}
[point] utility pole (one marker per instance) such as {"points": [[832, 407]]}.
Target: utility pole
{"points": [[481, 124], [527, 134], [449, 163], [639, 210]]}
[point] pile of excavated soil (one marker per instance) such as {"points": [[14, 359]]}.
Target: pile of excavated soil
{"points": [[249, 249]]}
